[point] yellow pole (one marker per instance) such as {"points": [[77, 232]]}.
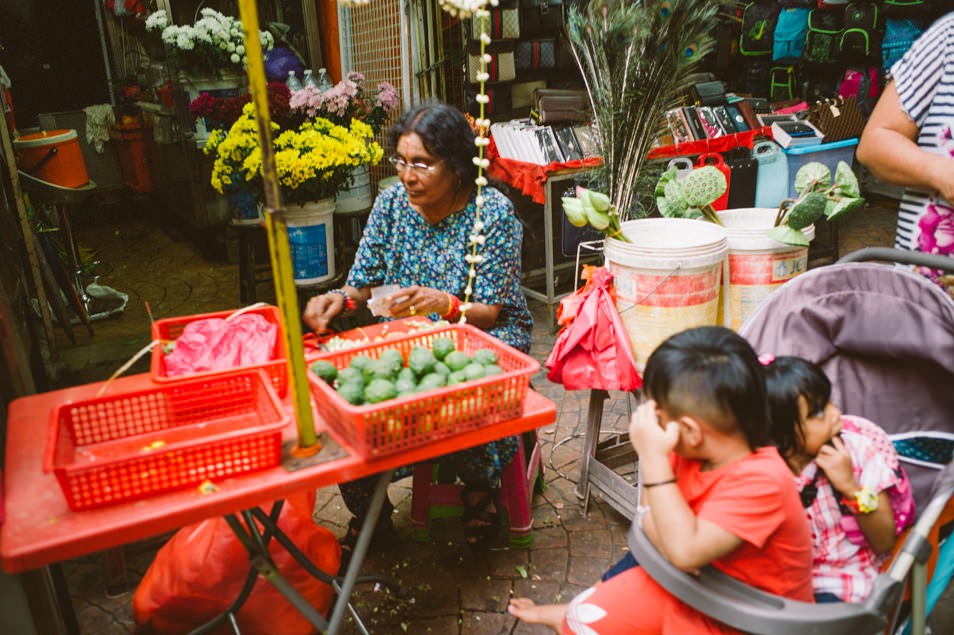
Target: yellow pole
{"points": [[282, 271]]}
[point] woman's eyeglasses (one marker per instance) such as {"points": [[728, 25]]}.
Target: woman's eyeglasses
{"points": [[421, 169]]}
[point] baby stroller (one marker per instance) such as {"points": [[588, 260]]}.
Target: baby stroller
{"points": [[885, 337]]}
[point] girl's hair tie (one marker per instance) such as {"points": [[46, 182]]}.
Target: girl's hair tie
{"points": [[766, 358]]}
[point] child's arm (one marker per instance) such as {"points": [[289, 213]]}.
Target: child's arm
{"points": [[687, 541], [877, 526]]}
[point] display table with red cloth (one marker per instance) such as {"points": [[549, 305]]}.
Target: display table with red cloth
{"points": [[40, 529]]}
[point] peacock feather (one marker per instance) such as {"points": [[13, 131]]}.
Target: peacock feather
{"points": [[636, 57]]}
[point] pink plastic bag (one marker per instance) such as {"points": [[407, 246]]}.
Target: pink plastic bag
{"points": [[216, 344], [594, 351]]}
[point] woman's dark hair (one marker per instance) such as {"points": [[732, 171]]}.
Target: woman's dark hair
{"points": [[786, 379], [711, 373], [445, 133]]}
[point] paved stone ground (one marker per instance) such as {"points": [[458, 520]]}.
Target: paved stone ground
{"points": [[452, 590]]}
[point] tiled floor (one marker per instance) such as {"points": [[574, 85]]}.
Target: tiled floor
{"points": [[451, 589]]}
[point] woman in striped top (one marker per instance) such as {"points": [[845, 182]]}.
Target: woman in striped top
{"points": [[909, 141]]}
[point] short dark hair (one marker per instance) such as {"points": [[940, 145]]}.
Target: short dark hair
{"points": [[445, 133], [787, 379], [712, 373]]}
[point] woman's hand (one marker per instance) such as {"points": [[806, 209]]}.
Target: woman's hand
{"points": [[321, 309], [414, 300], [835, 461]]}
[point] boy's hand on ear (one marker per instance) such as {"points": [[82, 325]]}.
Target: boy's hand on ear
{"points": [[648, 436], [835, 461]]}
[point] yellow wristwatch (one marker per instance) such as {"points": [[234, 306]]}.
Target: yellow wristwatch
{"points": [[864, 501]]}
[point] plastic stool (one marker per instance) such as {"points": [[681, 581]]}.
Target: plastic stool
{"points": [[430, 498]]}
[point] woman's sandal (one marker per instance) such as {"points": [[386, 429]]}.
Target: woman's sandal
{"points": [[382, 532], [480, 524]]}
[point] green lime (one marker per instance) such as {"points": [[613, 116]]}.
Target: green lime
{"points": [[394, 358], [352, 392], [441, 346], [351, 375], [380, 369], [455, 377], [408, 374], [421, 360], [485, 356], [360, 362], [431, 381], [456, 360], [379, 390], [441, 369], [405, 386], [325, 369], [492, 369], [473, 371]]}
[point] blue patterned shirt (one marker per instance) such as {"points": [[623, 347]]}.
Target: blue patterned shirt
{"points": [[400, 247]]}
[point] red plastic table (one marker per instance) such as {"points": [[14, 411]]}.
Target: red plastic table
{"points": [[40, 529]]}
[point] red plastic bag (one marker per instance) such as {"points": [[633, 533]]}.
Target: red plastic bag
{"points": [[593, 351], [200, 571], [216, 344]]}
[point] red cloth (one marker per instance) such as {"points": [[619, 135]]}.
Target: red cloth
{"points": [[718, 144], [529, 178], [751, 498], [593, 350]]}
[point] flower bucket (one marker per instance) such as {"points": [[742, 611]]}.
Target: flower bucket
{"points": [[311, 238], [667, 279], [231, 84], [357, 197], [758, 265], [242, 205]]}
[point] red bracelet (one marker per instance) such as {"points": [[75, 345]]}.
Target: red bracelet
{"points": [[453, 308]]}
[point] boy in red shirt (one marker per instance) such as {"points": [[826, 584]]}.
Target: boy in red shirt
{"points": [[716, 493]]}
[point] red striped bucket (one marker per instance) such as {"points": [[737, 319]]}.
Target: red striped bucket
{"points": [[667, 278], [758, 265]]}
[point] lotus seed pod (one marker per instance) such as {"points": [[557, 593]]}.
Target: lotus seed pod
{"points": [[703, 185], [807, 211]]}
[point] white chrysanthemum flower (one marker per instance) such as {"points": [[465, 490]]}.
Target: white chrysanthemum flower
{"points": [[185, 42], [240, 49], [235, 58], [157, 20], [230, 47]]}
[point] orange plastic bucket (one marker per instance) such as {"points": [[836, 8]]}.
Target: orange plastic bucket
{"points": [[53, 156]]}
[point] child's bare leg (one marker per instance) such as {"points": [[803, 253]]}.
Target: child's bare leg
{"points": [[551, 615]]}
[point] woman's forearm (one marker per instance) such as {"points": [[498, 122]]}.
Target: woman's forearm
{"points": [[483, 316]]}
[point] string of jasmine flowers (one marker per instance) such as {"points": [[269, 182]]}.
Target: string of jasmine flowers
{"points": [[474, 9]]}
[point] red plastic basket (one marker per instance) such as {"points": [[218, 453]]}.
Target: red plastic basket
{"points": [[128, 446], [171, 328], [391, 426]]}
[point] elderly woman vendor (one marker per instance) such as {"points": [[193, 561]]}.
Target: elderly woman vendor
{"points": [[416, 237]]}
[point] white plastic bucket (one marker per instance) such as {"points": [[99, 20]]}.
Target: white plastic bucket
{"points": [[667, 279], [231, 84], [758, 265], [357, 197], [311, 239]]}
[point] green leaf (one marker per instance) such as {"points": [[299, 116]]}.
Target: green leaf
{"points": [[789, 236], [844, 207], [812, 173], [669, 176], [522, 570], [846, 181]]}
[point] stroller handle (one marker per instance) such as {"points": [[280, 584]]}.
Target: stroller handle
{"points": [[901, 256]]}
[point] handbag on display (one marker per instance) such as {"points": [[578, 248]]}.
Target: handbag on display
{"points": [[502, 24], [554, 105], [707, 94], [535, 54], [500, 102], [838, 118], [541, 16], [500, 68]]}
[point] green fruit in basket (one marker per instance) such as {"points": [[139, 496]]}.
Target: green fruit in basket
{"points": [[456, 377], [431, 381], [457, 360], [441, 346], [441, 369], [485, 356], [325, 369], [421, 360], [380, 369], [379, 390], [351, 375], [405, 386], [352, 392], [408, 374], [394, 358], [360, 362], [473, 371], [492, 369]]}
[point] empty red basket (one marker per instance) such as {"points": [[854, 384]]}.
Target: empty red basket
{"points": [[398, 424], [170, 329], [130, 445]]}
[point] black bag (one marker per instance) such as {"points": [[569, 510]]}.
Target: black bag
{"points": [[758, 26], [541, 17], [862, 30], [500, 104], [824, 32], [707, 94], [744, 168], [535, 55]]}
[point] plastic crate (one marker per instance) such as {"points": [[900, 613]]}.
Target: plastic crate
{"points": [[171, 328], [828, 153], [128, 446], [398, 424]]}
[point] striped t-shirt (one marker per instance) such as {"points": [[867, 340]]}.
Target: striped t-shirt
{"points": [[924, 79]]}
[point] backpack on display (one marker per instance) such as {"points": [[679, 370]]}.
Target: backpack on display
{"points": [[783, 85], [861, 32], [906, 8], [821, 39], [788, 40], [862, 83], [758, 25], [899, 35]]}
